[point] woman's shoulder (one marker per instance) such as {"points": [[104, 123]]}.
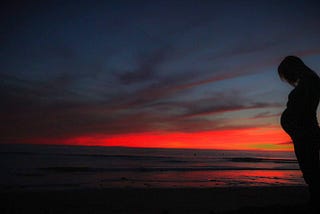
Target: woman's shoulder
{"points": [[312, 75], [314, 79], [309, 84], [311, 78]]}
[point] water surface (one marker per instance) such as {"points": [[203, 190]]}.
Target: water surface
{"points": [[43, 166]]}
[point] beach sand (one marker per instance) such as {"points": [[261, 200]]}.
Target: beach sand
{"points": [[163, 201]]}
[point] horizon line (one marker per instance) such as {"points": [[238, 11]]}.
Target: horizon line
{"points": [[135, 147]]}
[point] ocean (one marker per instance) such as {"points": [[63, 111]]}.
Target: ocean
{"points": [[66, 167]]}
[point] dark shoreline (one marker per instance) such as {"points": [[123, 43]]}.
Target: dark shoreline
{"points": [[285, 199]]}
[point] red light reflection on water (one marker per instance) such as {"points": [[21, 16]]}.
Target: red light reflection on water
{"points": [[223, 178], [263, 177]]}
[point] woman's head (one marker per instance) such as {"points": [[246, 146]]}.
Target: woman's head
{"points": [[291, 69]]}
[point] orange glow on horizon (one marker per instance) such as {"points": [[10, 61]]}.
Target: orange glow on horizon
{"points": [[238, 139]]}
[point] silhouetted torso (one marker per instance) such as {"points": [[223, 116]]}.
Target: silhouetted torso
{"points": [[300, 117]]}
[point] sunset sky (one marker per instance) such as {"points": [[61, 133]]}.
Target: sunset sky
{"points": [[173, 74]]}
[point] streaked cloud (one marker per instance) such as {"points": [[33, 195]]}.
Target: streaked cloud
{"points": [[115, 69]]}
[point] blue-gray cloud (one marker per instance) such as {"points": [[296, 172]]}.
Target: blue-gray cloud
{"points": [[69, 70]]}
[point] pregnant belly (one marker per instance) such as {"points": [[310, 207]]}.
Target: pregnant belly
{"points": [[288, 123], [299, 129]]}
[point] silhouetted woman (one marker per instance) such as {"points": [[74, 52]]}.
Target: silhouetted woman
{"points": [[299, 120]]}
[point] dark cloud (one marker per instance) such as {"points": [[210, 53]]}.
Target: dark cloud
{"points": [[218, 109], [27, 116], [64, 79], [178, 83], [245, 48], [146, 67], [53, 108], [267, 114]]}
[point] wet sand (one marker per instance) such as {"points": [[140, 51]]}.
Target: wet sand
{"points": [[150, 200]]}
